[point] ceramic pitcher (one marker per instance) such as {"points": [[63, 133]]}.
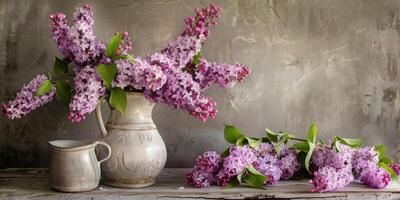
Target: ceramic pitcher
{"points": [[74, 166], [139, 152]]}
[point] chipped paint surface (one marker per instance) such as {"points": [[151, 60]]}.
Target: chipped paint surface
{"points": [[335, 63]]}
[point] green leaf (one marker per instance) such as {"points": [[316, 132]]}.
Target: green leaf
{"points": [[277, 147], [253, 170], [107, 73], [386, 160], [60, 66], [392, 173], [113, 44], [234, 182], [350, 141], [196, 58], [118, 99], [241, 141], [309, 154], [226, 152], [271, 136], [232, 134], [381, 150], [254, 180], [64, 91], [44, 88], [128, 57], [280, 137], [239, 177], [312, 133], [254, 142], [301, 146]]}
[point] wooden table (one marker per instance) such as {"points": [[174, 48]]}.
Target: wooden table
{"points": [[33, 184]]}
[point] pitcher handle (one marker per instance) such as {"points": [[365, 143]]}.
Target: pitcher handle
{"points": [[100, 121], [108, 148]]}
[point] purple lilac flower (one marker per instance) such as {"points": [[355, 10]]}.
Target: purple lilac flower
{"points": [[141, 75], [375, 177], [237, 161], [26, 100], [334, 167], [224, 75], [328, 178], [202, 174], [265, 148], [88, 89], [268, 165], [124, 75], [147, 76], [209, 162], [182, 50], [78, 43], [198, 25], [59, 31], [181, 91], [84, 46], [326, 155], [395, 167], [288, 163], [276, 167], [84, 14], [126, 45], [364, 158], [199, 178]]}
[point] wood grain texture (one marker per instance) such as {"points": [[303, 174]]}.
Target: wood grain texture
{"points": [[33, 184]]}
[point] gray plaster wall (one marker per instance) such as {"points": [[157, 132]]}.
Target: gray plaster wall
{"points": [[332, 62]]}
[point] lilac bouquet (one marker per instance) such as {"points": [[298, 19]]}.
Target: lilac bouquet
{"points": [[176, 75], [264, 161]]}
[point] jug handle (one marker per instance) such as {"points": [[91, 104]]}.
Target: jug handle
{"points": [[108, 148], [100, 121]]}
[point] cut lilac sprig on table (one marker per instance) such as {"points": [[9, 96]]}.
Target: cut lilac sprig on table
{"points": [[259, 162], [248, 161], [342, 160]]}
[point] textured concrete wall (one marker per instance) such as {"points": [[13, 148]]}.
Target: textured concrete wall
{"points": [[333, 62]]}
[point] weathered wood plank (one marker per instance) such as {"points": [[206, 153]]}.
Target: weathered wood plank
{"points": [[33, 184]]}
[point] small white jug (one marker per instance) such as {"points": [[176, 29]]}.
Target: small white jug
{"points": [[74, 166]]}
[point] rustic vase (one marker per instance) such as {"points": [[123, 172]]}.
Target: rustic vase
{"points": [[138, 151]]}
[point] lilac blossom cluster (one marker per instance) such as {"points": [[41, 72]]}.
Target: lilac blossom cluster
{"points": [[198, 26], [26, 100], [211, 169], [78, 44], [237, 161], [184, 80], [365, 165], [171, 76], [207, 165], [336, 168], [276, 166], [222, 74], [88, 90]]}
